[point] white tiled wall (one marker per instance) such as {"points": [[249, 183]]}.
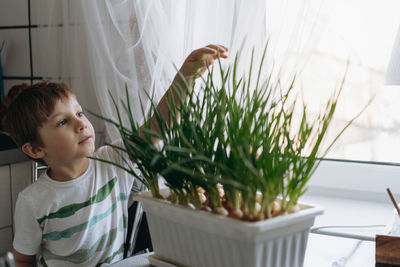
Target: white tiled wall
{"points": [[49, 54], [15, 62], [15, 56], [5, 197], [46, 62], [13, 12], [13, 179], [39, 9], [21, 174]]}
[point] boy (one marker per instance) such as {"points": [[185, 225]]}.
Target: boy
{"points": [[76, 213]]}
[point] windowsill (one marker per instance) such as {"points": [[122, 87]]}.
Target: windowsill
{"points": [[324, 250]]}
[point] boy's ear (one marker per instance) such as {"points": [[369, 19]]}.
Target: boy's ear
{"points": [[33, 151]]}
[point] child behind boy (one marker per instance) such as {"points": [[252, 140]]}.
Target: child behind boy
{"points": [[76, 213]]}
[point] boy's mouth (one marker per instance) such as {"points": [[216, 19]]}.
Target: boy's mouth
{"points": [[84, 140]]}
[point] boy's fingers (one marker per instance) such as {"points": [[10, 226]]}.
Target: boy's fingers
{"points": [[208, 59], [209, 49], [197, 54], [221, 48]]}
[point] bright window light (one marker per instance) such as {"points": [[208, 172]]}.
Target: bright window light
{"points": [[362, 33]]}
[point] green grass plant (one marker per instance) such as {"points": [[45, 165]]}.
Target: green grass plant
{"points": [[232, 146]]}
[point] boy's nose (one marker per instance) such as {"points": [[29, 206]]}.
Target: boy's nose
{"points": [[80, 125]]}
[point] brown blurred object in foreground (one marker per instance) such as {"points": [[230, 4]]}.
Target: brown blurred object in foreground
{"points": [[5, 103]]}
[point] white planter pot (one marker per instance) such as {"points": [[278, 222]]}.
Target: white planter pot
{"points": [[197, 238]]}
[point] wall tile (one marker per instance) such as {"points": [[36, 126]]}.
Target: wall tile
{"points": [[13, 12], [15, 57], [76, 15], [5, 240], [50, 12], [46, 52], [5, 197], [21, 174], [46, 12]]}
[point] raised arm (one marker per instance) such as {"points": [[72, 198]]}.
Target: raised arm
{"points": [[193, 67]]}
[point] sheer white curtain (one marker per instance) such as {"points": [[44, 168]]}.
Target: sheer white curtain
{"points": [[60, 51], [141, 43]]}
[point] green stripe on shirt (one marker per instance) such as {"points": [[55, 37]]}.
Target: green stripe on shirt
{"points": [[116, 253], [69, 210], [43, 262], [83, 255], [56, 235]]}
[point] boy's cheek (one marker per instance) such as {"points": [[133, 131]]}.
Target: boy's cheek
{"points": [[93, 144]]}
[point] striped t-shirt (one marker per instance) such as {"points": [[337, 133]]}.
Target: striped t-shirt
{"points": [[82, 222]]}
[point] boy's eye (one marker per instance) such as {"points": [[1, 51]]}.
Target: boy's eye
{"points": [[61, 123], [81, 114]]}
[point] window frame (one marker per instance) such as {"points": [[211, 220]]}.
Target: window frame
{"points": [[362, 180]]}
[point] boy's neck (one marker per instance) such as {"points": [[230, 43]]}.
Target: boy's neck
{"points": [[68, 172]]}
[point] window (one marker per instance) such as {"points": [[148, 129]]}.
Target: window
{"points": [[362, 33]]}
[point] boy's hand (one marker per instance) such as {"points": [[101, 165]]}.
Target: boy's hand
{"points": [[200, 59], [195, 64]]}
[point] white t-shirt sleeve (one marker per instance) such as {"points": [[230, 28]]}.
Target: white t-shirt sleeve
{"points": [[28, 234]]}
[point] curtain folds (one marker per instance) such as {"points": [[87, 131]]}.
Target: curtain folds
{"points": [[105, 44]]}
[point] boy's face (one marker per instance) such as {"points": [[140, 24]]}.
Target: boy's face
{"points": [[68, 135]]}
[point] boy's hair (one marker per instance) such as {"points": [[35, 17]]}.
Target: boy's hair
{"points": [[31, 108]]}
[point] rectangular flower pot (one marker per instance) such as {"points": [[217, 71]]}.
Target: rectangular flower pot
{"points": [[184, 236]]}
